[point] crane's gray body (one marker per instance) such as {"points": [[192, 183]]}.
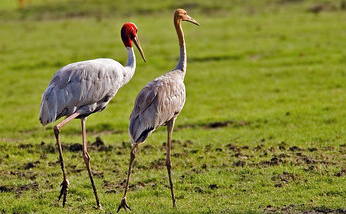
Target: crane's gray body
{"points": [[86, 87], [157, 103]]}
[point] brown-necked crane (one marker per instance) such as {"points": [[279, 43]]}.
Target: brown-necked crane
{"points": [[83, 88], [158, 104]]}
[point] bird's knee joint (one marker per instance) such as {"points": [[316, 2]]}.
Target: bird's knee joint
{"points": [[86, 157], [133, 153]]}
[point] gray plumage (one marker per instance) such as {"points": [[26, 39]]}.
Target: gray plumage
{"points": [[158, 102], [85, 86], [163, 98], [88, 86]]}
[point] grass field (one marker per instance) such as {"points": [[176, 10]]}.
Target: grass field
{"points": [[262, 131]]}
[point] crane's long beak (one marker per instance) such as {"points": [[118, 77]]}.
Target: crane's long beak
{"points": [[138, 45], [190, 19]]}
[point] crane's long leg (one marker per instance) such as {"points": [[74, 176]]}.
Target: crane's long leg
{"points": [[123, 203], [86, 158], [65, 183], [170, 126]]}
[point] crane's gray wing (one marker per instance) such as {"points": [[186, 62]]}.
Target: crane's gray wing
{"points": [[157, 103], [86, 86]]}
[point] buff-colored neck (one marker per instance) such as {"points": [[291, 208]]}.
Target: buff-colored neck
{"points": [[182, 58]]}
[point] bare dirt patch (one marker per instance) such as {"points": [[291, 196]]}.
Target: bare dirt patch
{"points": [[285, 178], [20, 188], [302, 209], [216, 124], [99, 145], [322, 7]]}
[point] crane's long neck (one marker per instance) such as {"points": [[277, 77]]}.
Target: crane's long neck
{"points": [[130, 66], [182, 58]]}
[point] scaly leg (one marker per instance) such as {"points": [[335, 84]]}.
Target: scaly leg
{"points": [[86, 158], [65, 183], [170, 126], [123, 203]]}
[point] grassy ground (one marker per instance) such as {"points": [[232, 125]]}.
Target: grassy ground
{"points": [[262, 130]]}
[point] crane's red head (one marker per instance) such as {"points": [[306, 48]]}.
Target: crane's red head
{"points": [[129, 34]]}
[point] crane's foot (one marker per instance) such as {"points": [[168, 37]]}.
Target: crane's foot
{"points": [[63, 191], [99, 207], [124, 205], [174, 205]]}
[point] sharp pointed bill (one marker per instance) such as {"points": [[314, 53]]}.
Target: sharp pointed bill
{"points": [[190, 19], [138, 45]]}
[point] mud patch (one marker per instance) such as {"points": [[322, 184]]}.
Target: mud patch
{"points": [[301, 159], [283, 146], [30, 165], [20, 188], [239, 163], [233, 147], [322, 7], [224, 124], [312, 149], [158, 164], [47, 148], [198, 190], [272, 162], [187, 143], [75, 147], [328, 148], [25, 174], [341, 173], [216, 124], [295, 148], [25, 146], [213, 186], [111, 187], [98, 142], [98, 174], [139, 185], [99, 145], [302, 209], [6, 188], [285, 178]]}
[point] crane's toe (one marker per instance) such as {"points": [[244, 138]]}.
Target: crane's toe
{"points": [[124, 205], [99, 207], [63, 191]]}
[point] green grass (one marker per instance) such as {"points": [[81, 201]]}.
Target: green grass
{"points": [[270, 73]]}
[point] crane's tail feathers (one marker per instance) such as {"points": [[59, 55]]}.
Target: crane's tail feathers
{"points": [[138, 132], [48, 110], [144, 135]]}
